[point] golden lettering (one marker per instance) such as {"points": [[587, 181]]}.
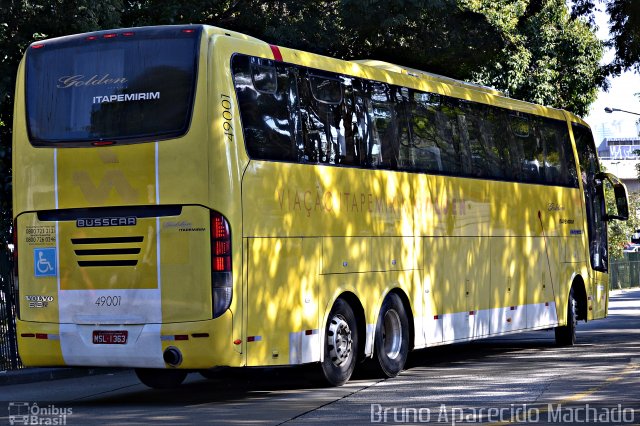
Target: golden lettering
{"points": [[80, 80]]}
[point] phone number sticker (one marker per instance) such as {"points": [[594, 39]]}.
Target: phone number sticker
{"points": [[39, 235]]}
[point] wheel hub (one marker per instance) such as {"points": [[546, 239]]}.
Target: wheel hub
{"points": [[392, 334], [339, 340]]}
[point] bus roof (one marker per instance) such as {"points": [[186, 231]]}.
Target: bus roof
{"points": [[358, 67], [387, 66], [489, 94]]}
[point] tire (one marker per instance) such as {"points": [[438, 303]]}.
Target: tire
{"points": [[158, 378], [392, 336], [340, 344], [566, 334]]}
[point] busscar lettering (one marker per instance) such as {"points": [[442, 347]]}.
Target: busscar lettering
{"points": [[145, 96], [106, 221]]}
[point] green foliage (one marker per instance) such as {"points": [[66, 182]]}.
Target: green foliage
{"points": [[531, 49], [624, 28], [551, 59], [625, 32], [162, 12], [443, 36], [619, 232]]}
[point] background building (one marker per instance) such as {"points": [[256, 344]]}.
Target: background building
{"points": [[618, 156]]}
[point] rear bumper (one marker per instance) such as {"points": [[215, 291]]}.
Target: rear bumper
{"points": [[203, 344]]}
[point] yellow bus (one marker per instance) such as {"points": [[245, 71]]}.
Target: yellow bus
{"points": [[187, 197]]}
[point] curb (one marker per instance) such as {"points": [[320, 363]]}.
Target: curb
{"points": [[31, 375]]}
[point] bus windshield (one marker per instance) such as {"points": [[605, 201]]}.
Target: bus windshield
{"points": [[128, 85]]}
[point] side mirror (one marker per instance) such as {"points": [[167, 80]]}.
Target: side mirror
{"points": [[620, 193]]}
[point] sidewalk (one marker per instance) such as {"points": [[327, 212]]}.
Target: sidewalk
{"points": [[615, 291], [30, 375]]}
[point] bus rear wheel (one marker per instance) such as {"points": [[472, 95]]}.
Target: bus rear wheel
{"points": [[158, 378], [340, 344], [566, 335], [392, 336]]}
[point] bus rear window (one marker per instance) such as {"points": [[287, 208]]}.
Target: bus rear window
{"points": [[128, 86]]}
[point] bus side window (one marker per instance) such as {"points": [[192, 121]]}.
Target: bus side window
{"points": [[400, 99], [366, 133], [567, 160], [560, 167], [265, 113], [435, 132], [387, 123], [508, 148], [468, 167], [526, 149], [367, 125], [310, 134], [482, 128], [423, 153], [383, 123], [351, 144], [327, 119], [294, 108], [265, 79], [448, 135]]}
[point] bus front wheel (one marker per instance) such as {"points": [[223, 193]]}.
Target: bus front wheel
{"points": [[566, 335], [341, 344], [158, 378], [392, 336]]}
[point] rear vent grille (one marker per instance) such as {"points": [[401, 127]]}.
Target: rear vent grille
{"points": [[112, 240], [107, 252], [111, 251], [107, 262]]}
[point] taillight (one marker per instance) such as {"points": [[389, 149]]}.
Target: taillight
{"points": [[221, 275], [103, 143]]}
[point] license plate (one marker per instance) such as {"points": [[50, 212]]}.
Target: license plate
{"points": [[107, 337]]}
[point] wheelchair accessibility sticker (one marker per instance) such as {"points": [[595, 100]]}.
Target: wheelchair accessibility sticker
{"points": [[44, 260]]}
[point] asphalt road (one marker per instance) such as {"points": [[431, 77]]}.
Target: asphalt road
{"points": [[519, 379]]}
